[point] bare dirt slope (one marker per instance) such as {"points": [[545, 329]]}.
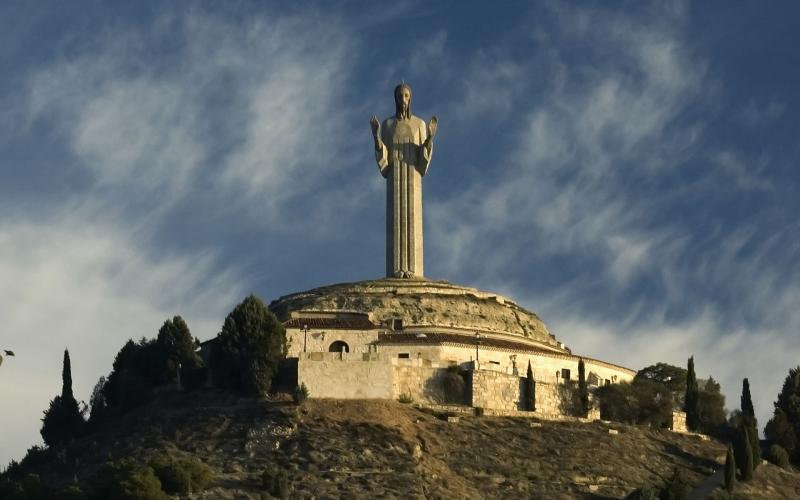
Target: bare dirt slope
{"points": [[384, 449]]}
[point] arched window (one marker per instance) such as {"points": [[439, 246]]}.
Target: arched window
{"points": [[339, 346]]}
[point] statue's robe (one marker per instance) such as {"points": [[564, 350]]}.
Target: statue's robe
{"points": [[403, 160]]}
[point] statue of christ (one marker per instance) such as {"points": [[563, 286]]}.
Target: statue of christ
{"points": [[403, 149]]}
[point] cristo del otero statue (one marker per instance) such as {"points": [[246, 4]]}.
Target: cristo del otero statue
{"points": [[406, 336]]}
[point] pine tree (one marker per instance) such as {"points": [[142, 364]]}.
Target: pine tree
{"points": [[583, 392], [730, 471], [530, 388], [691, 406]]}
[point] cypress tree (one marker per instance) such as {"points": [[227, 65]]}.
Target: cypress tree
{"points": [[66, 377], [62, 420], [530, 388], [747, 466], [730, 471], [691, 406], [747, 401], [749, 419], [583, 392]]}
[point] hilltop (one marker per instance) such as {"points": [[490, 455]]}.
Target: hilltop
{"points": [[336, 448]]}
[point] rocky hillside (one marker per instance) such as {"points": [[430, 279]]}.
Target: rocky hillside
{"points": [[380, 449]]}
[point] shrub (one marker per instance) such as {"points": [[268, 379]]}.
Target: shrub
{"points": [[405, 398], [641, 402], [453, 385], [127, 480], [643, 493], [300, 394], [276, 482], [181, 476], [32, 486], [676, 488], [778, 456], [71, 492]]}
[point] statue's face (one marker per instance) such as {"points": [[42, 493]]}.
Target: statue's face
{"points": [[403, 98]]}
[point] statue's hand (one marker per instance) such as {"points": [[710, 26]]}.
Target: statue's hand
{"points": [[375, 126], [432, 125]]}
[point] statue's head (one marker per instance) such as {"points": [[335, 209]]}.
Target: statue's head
{"points": [[402, 100]]}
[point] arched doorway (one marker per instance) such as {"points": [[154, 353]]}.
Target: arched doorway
{"points": [[339, 346]]}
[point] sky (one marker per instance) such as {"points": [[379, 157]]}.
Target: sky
{"points": [[627, 170]]}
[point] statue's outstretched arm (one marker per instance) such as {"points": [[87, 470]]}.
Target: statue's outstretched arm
{"points": [[426, 152], [381, 154]]}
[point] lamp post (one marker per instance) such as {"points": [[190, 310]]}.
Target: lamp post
{"points": [[305, 337], [477, 343]]}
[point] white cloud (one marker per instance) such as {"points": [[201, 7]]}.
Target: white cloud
{"points": [[87, 284]]}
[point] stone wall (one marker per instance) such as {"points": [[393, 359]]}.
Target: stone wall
{"points": [[679, 421], [420, 380], [345, 375], [496, 390]]}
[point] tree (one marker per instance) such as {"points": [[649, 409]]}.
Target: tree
{"points": [[691, 398], [784, 427], [97, 402], [711, 409], [177, 349], [673, 377], [530, 388], [749, 419], [249, 348], [583, 392], [640, 402], [730, 471], [743, 452], [62, 420]]}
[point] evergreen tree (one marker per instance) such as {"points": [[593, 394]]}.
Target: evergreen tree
{"points": [[249, 348], [730, 471], [691, 399], [748, 466], [749, 419], [583, 392], [62, 420], [530, 388], [747, 401], [784, 427]]}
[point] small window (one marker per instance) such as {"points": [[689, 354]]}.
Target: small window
{"points": [[339, 346], [608, 382], [565, 373], [404, 355], [397, 324]]}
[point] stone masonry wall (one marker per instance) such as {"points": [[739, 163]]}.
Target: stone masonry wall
{"points": [[345, 375], [495, 390], [418, 379]]}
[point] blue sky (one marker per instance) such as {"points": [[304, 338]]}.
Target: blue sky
{"points": [[626, 170]]}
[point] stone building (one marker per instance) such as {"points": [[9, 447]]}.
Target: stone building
{"points": [[393, 338]]}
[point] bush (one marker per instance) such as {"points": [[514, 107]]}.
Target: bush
{"points": [[643, 493], [32, 486], [641, 402], [300, 394], [276, 482], [676, 488], [127, 480], [182, 476], [71, 492], [405, 398], [453, 385], [778, 456]]}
